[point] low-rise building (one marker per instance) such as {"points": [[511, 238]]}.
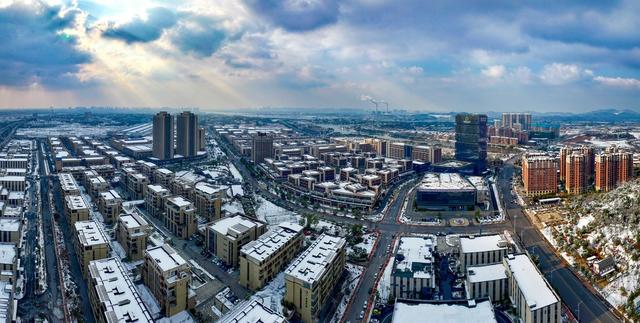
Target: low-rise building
{"points": [[252, 311], [68, 184], [8, 262], [263, 259], [533, 299], [482, 250], [313, 275], [225, 237], [456, 311], [163, 177], [413, 273], [136, 184], [112, 294], [167, 275], [208, 200], [487, 281], [110, 205], [180, 217], [132, 233], [75, 209], [97, 185], [91, 243], [10, 229]]}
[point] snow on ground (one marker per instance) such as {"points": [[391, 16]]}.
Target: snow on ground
{"points": [[181, 317], [118, 250], [271, 295], [233, 207], [355, 273], [607, 143], [273, 214], [147, 298], [584, 221], [628, 280], [236, 190], [368, 242]]}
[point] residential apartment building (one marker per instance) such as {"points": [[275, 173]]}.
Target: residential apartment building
{"points": [[8, 263], [163, 177], [91, 243], [154, 200], [110, 206], [180, 217], [413, 272], [262, 147], [263, 259], [167, 275], [132, 233], [533, 298], [482, 250], [97, 185], [112, 294], [430, 154], [136, 185], [575, 176], [613, 167], [187, 134], [516, 120], [311, 278], [487, 281], [10, 229], [68, 184], [225, 237], [163, 146], [539, 174], [208, 200], [75, 209]]}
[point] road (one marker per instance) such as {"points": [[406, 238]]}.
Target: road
{"points": [[581, 299]]}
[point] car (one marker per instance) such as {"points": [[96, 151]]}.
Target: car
{"points": [[361, 315]]}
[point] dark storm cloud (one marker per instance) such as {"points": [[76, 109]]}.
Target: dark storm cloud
{"points": [[33, 48], [143, 30]]}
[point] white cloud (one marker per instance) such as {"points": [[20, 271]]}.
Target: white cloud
{"points": [[618, 81], [557, 73], [494, 71]]}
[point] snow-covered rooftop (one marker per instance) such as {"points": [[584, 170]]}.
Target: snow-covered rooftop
{"points": [[482, 243], [131, 221], [417, 260], [407, 311], [90, 233], [311, 265], [10, 224], [117, 293], [165, 257], [252, 311], [76, 202], [271, 242], [7, 253], [485, 273], [157, 189], [533, 286], [444, 181], [236, 224], [179, 201]]}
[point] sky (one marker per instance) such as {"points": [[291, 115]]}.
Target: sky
{"points": [[439, 56]]}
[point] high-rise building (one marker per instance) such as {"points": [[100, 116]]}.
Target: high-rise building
{"points": [[539, 174], [586, 166], [202, 145], [516, 120], [262, 147], [471, 140], [612, 168], [187, 138], [575, 177], [163, 136]]}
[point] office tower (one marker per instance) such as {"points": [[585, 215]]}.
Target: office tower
{"points": [[202, 145], [612, 168], [575, 178], [471, 140], [262, 147], [187, 134], [539, 174], [163, 136], [512, 120]]}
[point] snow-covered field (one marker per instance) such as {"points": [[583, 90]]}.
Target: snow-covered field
{"points": [[273, 214]]}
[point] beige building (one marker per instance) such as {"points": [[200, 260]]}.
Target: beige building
{"points": [[487, 281], [311, 278], [533, 298], [113, 296], [8, 262], [163, 177], [68, 184], [136, 184], [10, 229], [482, 250], [263, 259], [208, 200], [180, 217], [225, 237], [110, 206], [97, 185], [155, 199], [163, 138], [167, 275], [75, 209], [91, 243], [132, 233]]}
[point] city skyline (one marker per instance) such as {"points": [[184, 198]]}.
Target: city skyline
{"points": [[547, 56]]}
